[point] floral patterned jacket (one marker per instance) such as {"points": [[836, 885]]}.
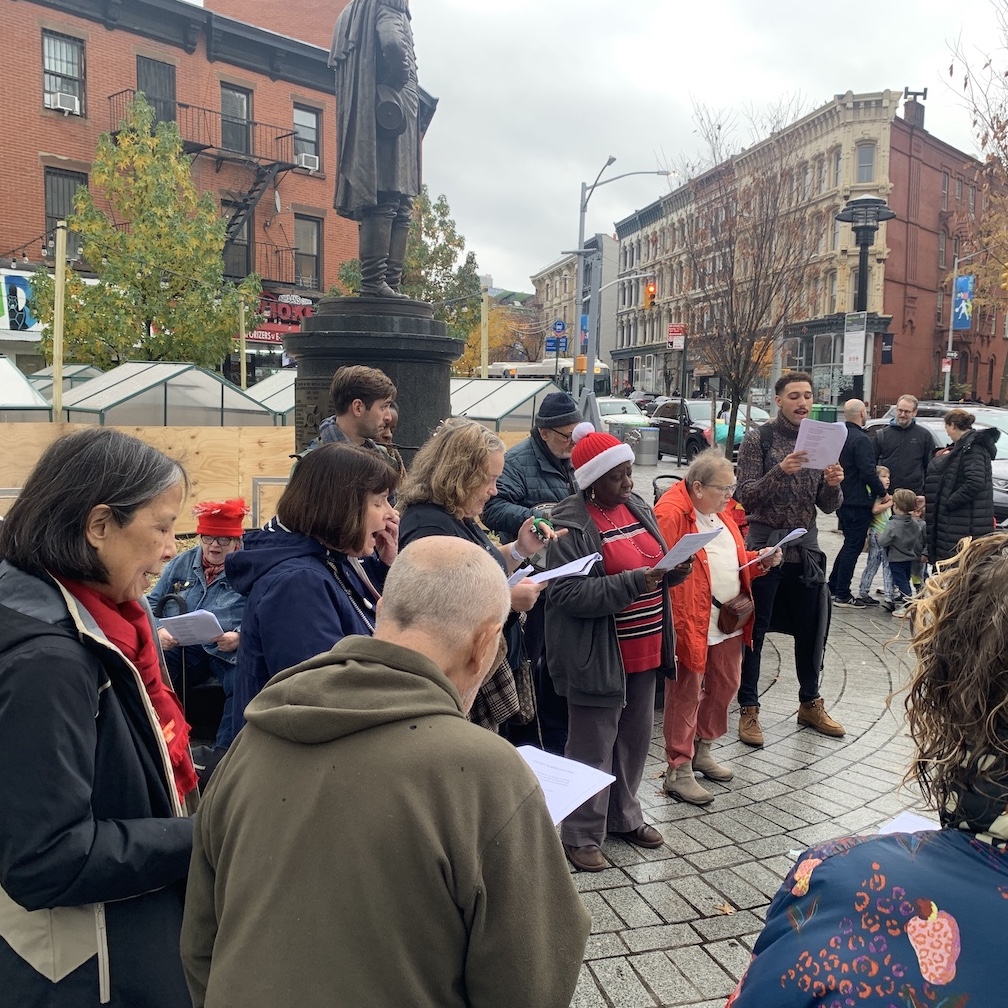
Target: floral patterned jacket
{"points": [[907, 920]]}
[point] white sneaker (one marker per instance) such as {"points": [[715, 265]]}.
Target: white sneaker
{"points": [[902, 612]]}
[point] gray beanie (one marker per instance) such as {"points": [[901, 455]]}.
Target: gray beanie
{"points": [[557, 410]]}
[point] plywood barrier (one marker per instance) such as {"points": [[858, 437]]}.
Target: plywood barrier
{"points": [[249, 462]]}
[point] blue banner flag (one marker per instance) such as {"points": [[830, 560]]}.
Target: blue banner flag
{"points": [[962, 302]]}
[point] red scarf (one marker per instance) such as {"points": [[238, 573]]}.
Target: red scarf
{"points": [[126, 625], [211, 571]]}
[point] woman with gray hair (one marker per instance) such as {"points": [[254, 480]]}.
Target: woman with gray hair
{"points": [[708, 657], [94, 760]]}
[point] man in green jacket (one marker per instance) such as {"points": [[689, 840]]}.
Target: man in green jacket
{"points": [[363, 844]]}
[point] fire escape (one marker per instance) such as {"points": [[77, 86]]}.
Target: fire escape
{"points": [[260, 151]]}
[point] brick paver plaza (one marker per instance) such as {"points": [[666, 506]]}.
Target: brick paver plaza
{"points": [[675, 926]]}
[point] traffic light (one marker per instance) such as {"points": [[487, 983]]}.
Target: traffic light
{"points": [[651, 288], [1004, 280]]}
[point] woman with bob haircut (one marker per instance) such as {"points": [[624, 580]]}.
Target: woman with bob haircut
{"points": [[94, 757], [911, 918], [315, 572], [452, 477]]}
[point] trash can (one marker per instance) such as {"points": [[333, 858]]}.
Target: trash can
{"points": [[827, 414], [816, 411], [646, 449], [618, 430]]}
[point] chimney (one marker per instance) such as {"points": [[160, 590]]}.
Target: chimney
{"points": [[913, 110]]}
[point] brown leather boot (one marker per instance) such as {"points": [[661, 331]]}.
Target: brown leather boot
{"points": [[681, 783], [813, 715], [704, 763], [749, 729]]}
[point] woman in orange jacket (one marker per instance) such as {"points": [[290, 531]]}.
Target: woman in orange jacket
{"points": [[709, 661]]}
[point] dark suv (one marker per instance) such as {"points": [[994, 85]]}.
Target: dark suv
{"points": [[692, 417]]}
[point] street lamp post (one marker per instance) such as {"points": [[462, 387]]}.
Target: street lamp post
{"points": [[586, 192], [864, 214]]}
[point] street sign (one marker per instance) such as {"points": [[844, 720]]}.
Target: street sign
{"points": [[562, 344], [946, 365], [676, 336], [559, 326], [551, 344], [855, 328]]}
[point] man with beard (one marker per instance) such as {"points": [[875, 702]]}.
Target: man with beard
{"points": [[904, 448], [780, 495]]}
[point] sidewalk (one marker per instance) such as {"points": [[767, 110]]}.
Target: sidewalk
{"points": [[675, 926]]}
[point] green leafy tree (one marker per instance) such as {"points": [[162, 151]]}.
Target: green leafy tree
{"points": [[437, 270], [157, 253]]}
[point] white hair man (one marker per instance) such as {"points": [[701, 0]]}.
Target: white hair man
{"points": [[363, 843]]}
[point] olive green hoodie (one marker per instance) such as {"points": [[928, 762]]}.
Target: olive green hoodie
{"points": [[362, 844]]}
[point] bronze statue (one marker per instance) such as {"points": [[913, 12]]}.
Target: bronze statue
{"points": [[378, 141]]}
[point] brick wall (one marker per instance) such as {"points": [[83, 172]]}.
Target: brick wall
{"points": [[314, 19]]}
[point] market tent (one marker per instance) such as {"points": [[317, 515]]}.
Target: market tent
{"points": [[157, 393], [18, 400], [502, 404], [73, 375], [276, 393]]}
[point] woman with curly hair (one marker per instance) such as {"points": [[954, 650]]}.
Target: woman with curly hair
{"points": [[908, 918]]}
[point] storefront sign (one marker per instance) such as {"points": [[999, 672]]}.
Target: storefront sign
{"points": [[283, 314]]}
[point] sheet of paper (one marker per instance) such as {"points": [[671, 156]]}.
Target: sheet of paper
{"points": [[822, 441], [565, 783], [520, 574], [908, 822], [198, 627], [576, 568], [685, 548], [790, 537]]}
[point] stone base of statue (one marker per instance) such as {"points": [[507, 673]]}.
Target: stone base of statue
{"points": [[397, 335]]}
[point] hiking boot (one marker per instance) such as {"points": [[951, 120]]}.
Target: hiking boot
{"points": [[749, 729], [813, 715], [681, 783], [704, 763]]}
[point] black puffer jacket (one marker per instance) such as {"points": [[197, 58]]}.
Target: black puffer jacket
{"points": [[960, 493]]}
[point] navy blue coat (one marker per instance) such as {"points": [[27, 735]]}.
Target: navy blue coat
{"points": [[295, 606]]}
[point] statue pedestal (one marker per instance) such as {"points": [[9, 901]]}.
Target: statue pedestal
{"points": [[401, 337]]}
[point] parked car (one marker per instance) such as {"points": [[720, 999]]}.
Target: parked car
{"points": [[693, 418], [617, 410], [935, 426]]}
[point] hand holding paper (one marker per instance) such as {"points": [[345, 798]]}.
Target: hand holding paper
{"points": [[575, 568], [820, 441], [690, 544], [790, 537], [197, 627]]}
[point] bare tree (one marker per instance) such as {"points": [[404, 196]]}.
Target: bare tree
{"points": [[746, 235]]}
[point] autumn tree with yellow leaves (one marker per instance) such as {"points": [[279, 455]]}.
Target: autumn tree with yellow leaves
{"points": [[156, 249]]}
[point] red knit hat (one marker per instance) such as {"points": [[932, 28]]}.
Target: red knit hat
{"points": [[596, 453], [220, 518]]}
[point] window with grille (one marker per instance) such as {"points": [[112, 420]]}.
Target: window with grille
{"points": [[236, 106], [306, 132], [60, 187], [62, 69], [157, 81], [307, 256]]}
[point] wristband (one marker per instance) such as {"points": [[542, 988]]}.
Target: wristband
{"points": [[515, 554]]}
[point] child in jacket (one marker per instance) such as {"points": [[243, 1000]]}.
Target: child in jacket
{"points": [[903, 539]]}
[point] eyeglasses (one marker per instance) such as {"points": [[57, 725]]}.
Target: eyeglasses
{"points": [[729, 490], [560, 434], [220, 540]]}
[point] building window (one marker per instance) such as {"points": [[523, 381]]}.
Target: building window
{"points": [[237, 262], [866, 162], [306, 132], [971, 199], [60, 187], [944, 190], [63, 72], [939, 306], [837, 167], [941, 250], [958, 191], [835, 240], [307, 254], [831, 292], [236, 105], [157, 81]]}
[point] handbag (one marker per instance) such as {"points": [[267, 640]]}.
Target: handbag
{"points": [[735, 613]]}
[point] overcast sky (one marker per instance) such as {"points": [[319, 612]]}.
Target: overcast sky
{"points": [[534, 95]]}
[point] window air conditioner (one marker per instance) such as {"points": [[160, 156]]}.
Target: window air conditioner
{"points": [[309, 161], [68, 104]]}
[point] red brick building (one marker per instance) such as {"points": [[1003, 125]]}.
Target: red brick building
{"points": [[255, 109]]}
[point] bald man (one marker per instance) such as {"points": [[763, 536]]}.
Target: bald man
{"points": [[364, 844], [861, 488]]}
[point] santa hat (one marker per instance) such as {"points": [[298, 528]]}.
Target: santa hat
{"points": [[596, 453], [220, 518]]}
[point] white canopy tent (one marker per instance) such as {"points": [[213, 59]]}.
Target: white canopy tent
{"points": [[18, 400], [277, 394], [502, 404], [73, 375]]}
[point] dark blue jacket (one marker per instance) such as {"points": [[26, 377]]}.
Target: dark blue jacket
{"points": [[861, 484], [532, 475], [295, 605]]}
